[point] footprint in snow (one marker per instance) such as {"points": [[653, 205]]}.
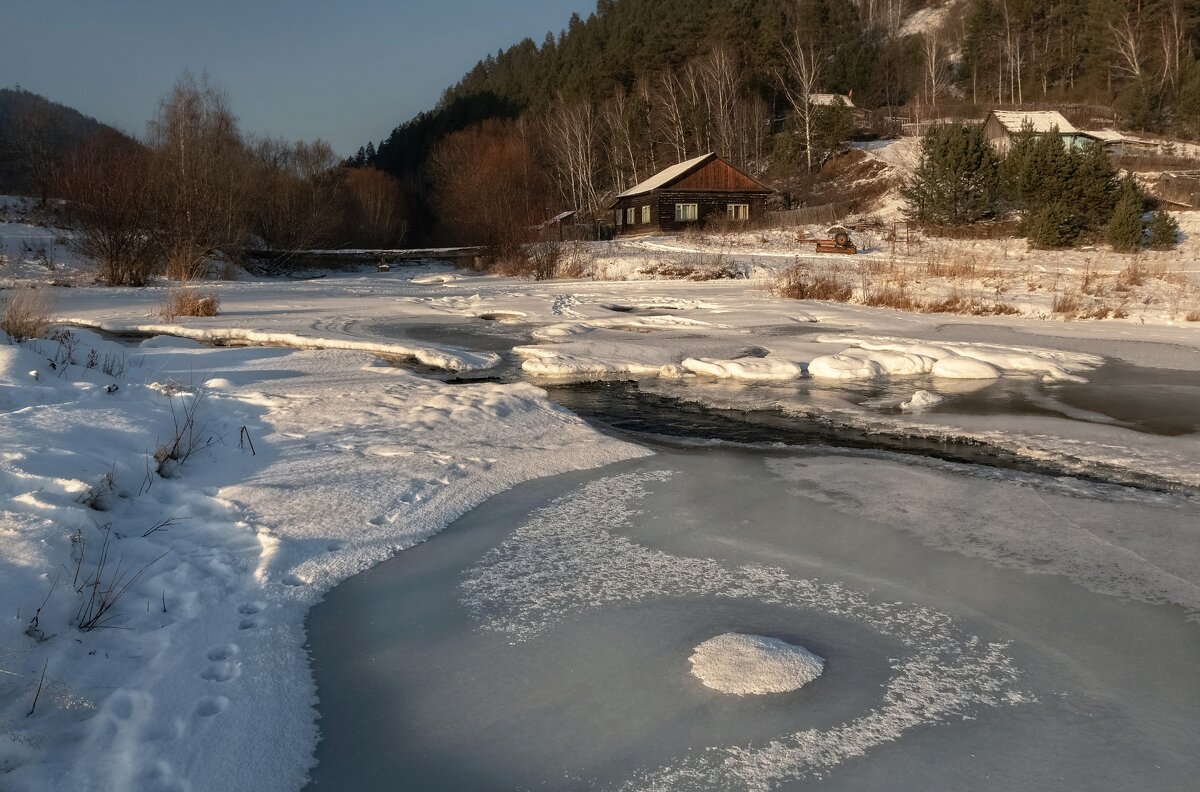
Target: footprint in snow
{"points": [[222, 671], [223, 667], [211, 705]]}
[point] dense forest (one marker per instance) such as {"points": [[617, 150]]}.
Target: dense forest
{"points": [[641, 84]]}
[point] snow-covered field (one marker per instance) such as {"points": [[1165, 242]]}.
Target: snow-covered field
{"points": [[315, 459]]}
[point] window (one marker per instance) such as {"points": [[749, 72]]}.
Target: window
{"points": [[738, 211], [686, 212], [646, 213], [629, 216]]}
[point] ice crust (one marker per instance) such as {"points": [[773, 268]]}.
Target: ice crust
{"points": [[570, 557]]}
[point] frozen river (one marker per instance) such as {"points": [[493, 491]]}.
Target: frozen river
{"points": [[543, 640]]}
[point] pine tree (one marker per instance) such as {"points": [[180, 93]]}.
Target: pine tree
{"points": [[1125, 229], [1164, 231], [958, 179]]}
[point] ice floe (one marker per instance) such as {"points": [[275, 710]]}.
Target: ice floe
{"points": [[754, 664]]}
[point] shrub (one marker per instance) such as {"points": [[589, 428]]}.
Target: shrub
{"points": [[27, 314], [1164, 231], [186, 301]]}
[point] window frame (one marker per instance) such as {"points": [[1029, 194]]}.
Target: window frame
{"points": [[646, 214], [733, 210], [630, 216], [681, 213]]}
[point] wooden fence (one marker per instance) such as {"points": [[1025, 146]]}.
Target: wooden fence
{"points": [[828, 214]]}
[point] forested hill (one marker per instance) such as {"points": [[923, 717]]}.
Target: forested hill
{"points": [[1139, 53], [35, 130], [628, 40]]}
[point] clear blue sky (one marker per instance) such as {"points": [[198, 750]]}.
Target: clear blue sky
{"points": [[347, 71]]}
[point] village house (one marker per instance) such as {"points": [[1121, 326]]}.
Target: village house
{"points": [[691, 193], [1001, 126]]}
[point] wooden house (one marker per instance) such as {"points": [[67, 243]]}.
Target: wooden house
{"points": [[692, 193], [1001, 126]]}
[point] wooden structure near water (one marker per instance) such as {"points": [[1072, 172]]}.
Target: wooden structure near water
{"points": [[693, 193]]}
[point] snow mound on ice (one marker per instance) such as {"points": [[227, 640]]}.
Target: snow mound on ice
{"points": [[843, 367], [957, 367], [921, 400], [746, 369], [754, 664], [437, 277]]}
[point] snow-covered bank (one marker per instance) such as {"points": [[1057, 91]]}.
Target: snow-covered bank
{"points": [[435, 357], [308, 466]]}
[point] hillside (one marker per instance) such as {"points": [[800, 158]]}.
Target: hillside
{"points": [[640, 84], [34, 132]]}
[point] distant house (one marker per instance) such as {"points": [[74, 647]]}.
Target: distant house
{"points": [[1001, 126], [829, 100], [692, 193], [1181, 188]]}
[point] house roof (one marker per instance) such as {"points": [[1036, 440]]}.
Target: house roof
{"points": [[558, 218], [829, 99], [669, 176], [1042, 121], [1104, 135]]}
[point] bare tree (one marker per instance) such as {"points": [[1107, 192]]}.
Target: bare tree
{"points": [[201, 168], [720, 82], [377, 208], [1127, 40], [569, 129], [935, 66], [1173, 39], [299, 189], [487, 186], [799, 79], [109, 189], [30, 138]]}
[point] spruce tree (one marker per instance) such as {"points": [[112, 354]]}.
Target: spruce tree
{"points": [[958, 179], [1164, 230], [1125, 229], [1053, 225]]}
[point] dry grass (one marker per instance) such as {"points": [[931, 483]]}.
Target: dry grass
{"points": [[187, 301], [797, 284], [26, 313], [1192, 316], [969, 305], [896, 297], [1065, 304]]}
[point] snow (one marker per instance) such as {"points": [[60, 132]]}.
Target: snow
{"points": [[665, 176], [436, 357], [921, 400], [754, 664], [746, 369], [959, 367], [352, 461], [355, 460], [1042, 121]]}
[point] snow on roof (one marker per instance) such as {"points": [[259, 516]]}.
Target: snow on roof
{"points": [[828, 100], [1106, 135], [558, 218], [1042, 121], [666, 176]]}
